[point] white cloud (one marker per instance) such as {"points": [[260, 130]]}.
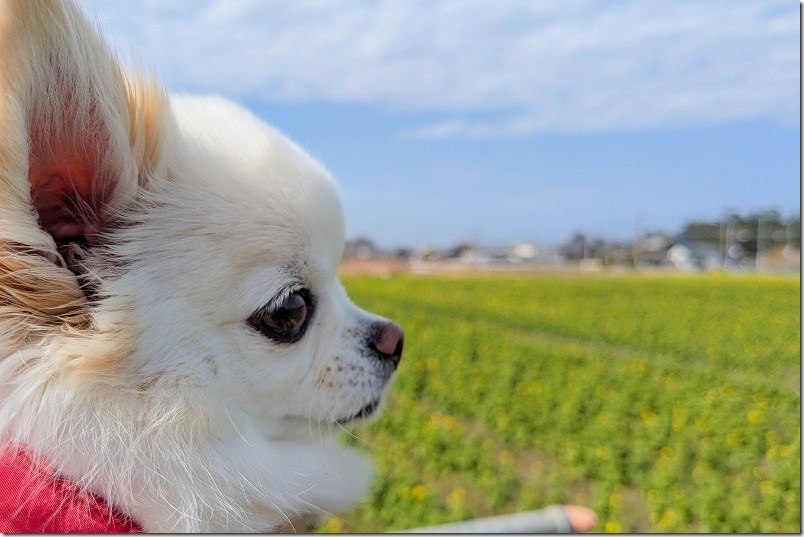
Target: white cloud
{"points": [[478, 68]]}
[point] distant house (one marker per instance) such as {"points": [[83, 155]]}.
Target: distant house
{"points": [[360, 248], [463, 252], [680, 253], [690, 256], [651, 251]]}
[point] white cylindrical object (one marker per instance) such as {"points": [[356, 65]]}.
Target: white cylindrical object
{"points": [[552, 519]]}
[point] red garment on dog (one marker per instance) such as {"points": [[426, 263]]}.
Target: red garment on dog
{"points": [[33, 499]]}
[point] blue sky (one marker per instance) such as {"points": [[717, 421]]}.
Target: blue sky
{"points": [[503, 121]]}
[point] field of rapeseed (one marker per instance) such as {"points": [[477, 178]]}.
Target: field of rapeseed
{"points": [[663, 403]]}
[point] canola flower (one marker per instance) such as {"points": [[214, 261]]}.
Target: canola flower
{"points": [[664, 403]]}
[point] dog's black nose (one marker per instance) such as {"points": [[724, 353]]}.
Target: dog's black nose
{"points": [[387, 339]]}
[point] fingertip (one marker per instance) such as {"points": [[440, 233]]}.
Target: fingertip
{"points": [[582, 519]]}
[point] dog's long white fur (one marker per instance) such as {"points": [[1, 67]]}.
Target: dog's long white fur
{"points": [[155, 395]]}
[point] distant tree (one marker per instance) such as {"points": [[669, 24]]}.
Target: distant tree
{"points": [[745, 233], [575, 249], [704, 232]]}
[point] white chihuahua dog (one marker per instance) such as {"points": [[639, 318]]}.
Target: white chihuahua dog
{"points": [[173, 336]]}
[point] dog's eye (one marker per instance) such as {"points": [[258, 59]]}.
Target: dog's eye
{"points": [[285, 322]]}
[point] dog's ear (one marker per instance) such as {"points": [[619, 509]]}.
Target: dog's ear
{"points": [[75, 137]]}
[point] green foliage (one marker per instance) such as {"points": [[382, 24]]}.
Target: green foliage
{"points": [[664, 403], [775, 230]]}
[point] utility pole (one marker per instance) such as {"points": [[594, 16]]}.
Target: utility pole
{"points": [[758, 261], [639, 230]]}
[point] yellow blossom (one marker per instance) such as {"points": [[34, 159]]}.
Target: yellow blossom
{"points": [[456, 497], [334, 525], [732, 439], [666, 453], [754, 416], [418, 492]]}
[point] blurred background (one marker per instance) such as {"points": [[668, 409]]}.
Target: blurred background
{"points": [[614, 189], [610, 130]]}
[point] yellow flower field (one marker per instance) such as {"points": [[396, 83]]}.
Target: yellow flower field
{"points": [[665, 403]]}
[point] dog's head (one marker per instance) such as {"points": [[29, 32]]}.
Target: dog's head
{"points": [[171, 245], [236, 255]]}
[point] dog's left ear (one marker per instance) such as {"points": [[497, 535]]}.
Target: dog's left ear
{"points": [[75, 138]]}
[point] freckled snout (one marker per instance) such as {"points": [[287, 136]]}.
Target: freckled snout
{"points": [[387, 339]]}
